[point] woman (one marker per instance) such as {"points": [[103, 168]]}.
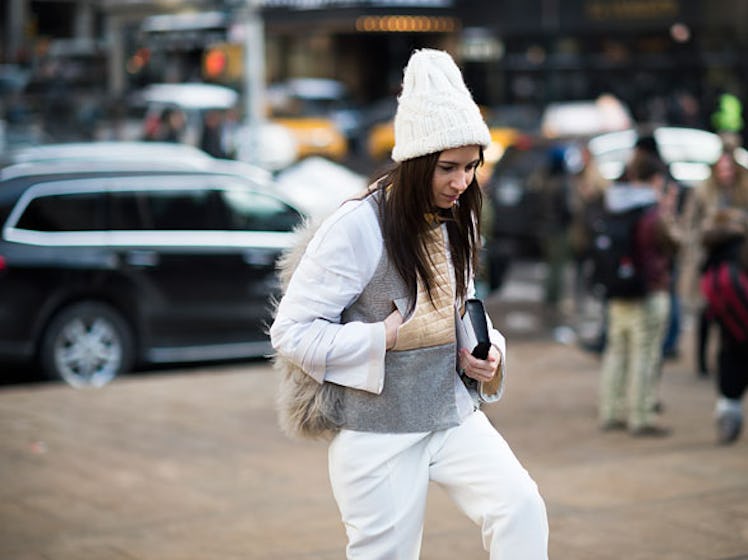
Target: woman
{"points": [[723, 208], [726, 187], [370, 310], [726, 241]]}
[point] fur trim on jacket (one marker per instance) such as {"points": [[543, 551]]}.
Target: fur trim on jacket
{"points": [[306, 409]]}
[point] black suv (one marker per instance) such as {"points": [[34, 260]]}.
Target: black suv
{"points": [[104, 269], [523, 198]]}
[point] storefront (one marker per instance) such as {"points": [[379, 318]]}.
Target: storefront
{"points": [[361, 43], [667, 59]]}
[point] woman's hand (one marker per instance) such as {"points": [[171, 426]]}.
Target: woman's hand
{"points": [[391, 324], [480, 370]]}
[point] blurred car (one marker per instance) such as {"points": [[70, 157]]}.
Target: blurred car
{"points": [[584, 119], [689, 152], [315, 136], [273, 146], [381, 140], [318, 186], [516, 195], [507, 124], [180, 156], [314, 185], [104, 266], [318, 113], [107, 151], [501, 138]]}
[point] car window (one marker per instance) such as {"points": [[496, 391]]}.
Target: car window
{"points": [[129, 211], [65, 212], [167, 210], [200, 209], [254, 211]]}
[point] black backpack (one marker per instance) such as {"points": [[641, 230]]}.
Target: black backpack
{"points": [[617, 267]]}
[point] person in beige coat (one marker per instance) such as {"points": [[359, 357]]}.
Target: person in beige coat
{"points": [[726, 187]]}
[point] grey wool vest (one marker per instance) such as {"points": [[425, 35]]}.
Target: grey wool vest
{"points": [[418, 393], [419, 382]]}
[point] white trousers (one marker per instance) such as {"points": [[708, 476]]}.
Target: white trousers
{"points": [[380, 483]]}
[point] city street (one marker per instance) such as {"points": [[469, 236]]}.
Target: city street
{"points": [[158, 158], [189, 464]]}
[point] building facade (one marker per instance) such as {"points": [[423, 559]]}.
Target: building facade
{"points": [[660, 56]]}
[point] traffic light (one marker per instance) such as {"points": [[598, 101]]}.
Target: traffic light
{"points": [[223, 62], [729, 114]]}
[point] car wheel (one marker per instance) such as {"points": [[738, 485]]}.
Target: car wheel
{"points": [[87, 345]]}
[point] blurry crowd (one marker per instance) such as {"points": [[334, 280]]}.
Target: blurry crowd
{"points": [[216, 133], [687, 250]]}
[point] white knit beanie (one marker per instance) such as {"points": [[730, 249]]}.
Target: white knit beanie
{"points": [[435, 110]]}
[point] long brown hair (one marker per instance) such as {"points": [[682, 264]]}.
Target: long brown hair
{"points": [[406, 209]]}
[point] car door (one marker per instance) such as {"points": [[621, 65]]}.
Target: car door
{"points": [[203, 257]]}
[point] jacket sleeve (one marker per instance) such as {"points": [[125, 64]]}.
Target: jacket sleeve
{"points": [[337, 265]]}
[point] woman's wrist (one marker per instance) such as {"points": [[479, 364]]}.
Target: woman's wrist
{"points": [[391, 324]]}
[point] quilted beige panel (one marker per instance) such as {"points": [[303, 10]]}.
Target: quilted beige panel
{"points": [[431, 324]]}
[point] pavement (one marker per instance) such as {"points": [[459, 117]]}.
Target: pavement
{"points": [[189, 464]]}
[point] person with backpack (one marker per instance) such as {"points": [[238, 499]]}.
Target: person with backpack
{"points": [[369, 319], [634, 245], [647, 144]]}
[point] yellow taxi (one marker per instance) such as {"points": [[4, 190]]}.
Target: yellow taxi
{"points": [[314, 111], [316, 136], [501, 138], [381, 140]]}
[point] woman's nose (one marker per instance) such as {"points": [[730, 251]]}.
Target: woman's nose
{"points": [[462, 180]]}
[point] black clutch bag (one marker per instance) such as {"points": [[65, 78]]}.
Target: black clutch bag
{"points": [[472, 329]]}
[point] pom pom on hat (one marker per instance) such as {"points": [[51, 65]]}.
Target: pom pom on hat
{"points": [[435, 110]]}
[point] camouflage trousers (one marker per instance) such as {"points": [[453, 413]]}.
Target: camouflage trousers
{"points": [[630, 371]]}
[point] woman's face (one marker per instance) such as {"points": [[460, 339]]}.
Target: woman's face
{"points": [[455, 170], [725, 170]]}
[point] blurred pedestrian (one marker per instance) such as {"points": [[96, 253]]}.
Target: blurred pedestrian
{"points": [[555, 220], [87, 117], [229, 131], [369, 314], [720, 214], [211, 140], [725, 283], [151, 127], [647, 144], [646, 147], [173, 123], [726, 187], [587, 199], [587, 205], [168, 126], [637, 315]]}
